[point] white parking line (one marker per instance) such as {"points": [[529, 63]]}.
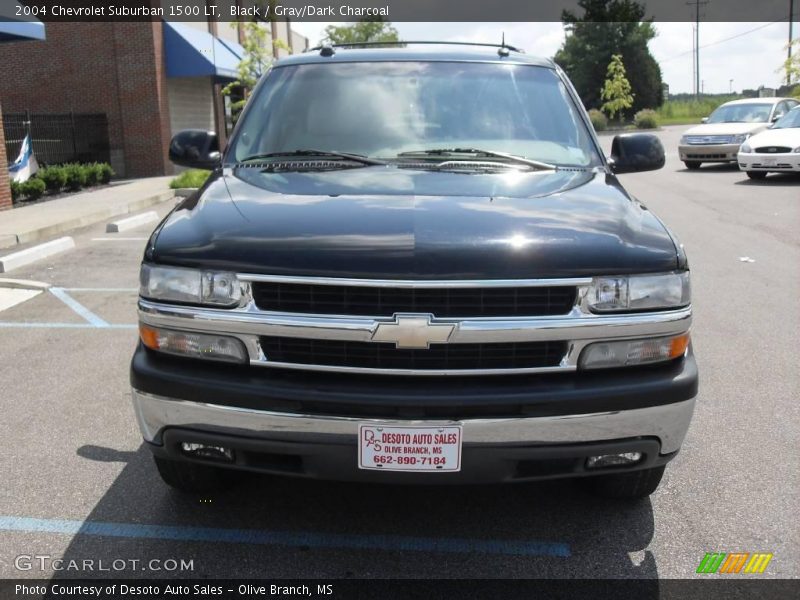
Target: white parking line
{"points": [[12, 296], [79, 308], [119, 239]]}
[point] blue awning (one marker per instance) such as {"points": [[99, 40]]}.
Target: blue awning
{"points": [[191, 52], [14, 29]]}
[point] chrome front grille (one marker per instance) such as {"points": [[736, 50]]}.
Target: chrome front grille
{"points": [[410, 327], [699, 140]]}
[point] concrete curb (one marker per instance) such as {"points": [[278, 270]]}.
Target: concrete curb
{"points": [[185, 192], [92, 218], [132, 222], [34, 253], [23, 284]]}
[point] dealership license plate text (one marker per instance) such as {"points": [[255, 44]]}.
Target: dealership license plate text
{"points": [[403, 448]]}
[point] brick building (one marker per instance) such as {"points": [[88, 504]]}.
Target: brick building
{"points": [[151, 79], [12, 32]]}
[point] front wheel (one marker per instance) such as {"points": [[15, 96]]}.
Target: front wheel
{"points": [[756, 174], [631, 485], [193, 478], [692, 164]]}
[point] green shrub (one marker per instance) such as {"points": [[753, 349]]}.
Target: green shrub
{"points": [[76, 176], [33, 189], [193, 178], [598, 119], [54, 178], [16, 191], [646, 119], [795, 93], [93, 173], [105, 172]]}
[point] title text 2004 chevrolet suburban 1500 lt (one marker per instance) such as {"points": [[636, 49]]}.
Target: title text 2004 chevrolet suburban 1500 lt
{"points": [[414, 265]]}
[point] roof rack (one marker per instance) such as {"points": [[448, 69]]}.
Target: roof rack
{"points": [[502, 46]]}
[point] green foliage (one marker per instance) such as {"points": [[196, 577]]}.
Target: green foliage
{"points": [[606, 28], [33, 189], [105, 172], [616, 89], [646, 119], [791, 66], [16, 191], [795, 93], [368, 30], [77, 176], [194, 178], [599, 120], [690, 110], [54, 178], [256, 61]]}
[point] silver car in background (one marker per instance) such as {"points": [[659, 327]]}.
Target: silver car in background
{"points": [[728, 127]]}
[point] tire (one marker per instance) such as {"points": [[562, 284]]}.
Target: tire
{"points": [[756, 174], [692, 164], [193, 478], [631, 486]]}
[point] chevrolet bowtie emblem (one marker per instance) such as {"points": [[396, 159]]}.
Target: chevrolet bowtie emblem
{"points": [[413, 331]]}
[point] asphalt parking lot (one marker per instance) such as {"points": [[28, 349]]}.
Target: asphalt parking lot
{"points": [[77, 483]]}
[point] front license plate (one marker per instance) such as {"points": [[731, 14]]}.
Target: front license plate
{"points": [[409, 448], [770, 162]]}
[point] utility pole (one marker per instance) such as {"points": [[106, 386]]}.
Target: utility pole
{"points": [[697, 4], [789, 58], [730, 86]]}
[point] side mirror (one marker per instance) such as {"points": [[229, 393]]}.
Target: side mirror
{"points": [[704, 120], [775, 118], [195, 148], [633, 152]]}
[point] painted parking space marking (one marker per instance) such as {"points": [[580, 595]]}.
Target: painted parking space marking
{"points": [[78, 308], [35, 325], [119, 239], [286, 538], [12, 296]]}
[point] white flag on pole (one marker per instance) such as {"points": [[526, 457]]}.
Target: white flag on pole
{"points": [[25, 166]]}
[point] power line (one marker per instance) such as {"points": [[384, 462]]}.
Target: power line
{"points": [[727, 39]]}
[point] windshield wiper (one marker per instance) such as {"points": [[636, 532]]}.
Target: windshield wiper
{"points": [[447, 152], [360, 158]]}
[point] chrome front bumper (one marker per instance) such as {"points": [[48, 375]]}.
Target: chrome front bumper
{"points": [[668, 422], [709, 152]]}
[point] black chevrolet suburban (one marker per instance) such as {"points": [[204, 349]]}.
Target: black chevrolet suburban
{"points": [[414, 265]]}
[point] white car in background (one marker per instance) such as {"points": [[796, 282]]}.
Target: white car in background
{"points": [[719, 137], [776, 149]]}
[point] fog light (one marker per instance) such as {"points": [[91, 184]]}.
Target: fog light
{"points": [[205, 451], [613, 460]]}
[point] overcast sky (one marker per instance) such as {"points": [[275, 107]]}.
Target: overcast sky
{"points": [[750, 59]]}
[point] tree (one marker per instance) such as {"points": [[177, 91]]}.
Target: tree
{"points": [[610, 27], [617, 89], [368, 30], [258, 55]]}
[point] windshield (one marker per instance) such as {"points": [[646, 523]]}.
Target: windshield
{"points": [[382, 109], [790, 119], [741, 113]]}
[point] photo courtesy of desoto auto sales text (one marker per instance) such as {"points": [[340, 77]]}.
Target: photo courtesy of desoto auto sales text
{"points": [[399, 299]]}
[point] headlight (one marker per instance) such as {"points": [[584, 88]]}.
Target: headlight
{"points": [[628, 353], [172, 284], [796, 150], [639, 292], [192, 344], [746, 148], [738, 139], [684, 139]]}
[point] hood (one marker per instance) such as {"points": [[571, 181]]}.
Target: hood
{"points": [[789, 136], [386, 222], [726, 128]]}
